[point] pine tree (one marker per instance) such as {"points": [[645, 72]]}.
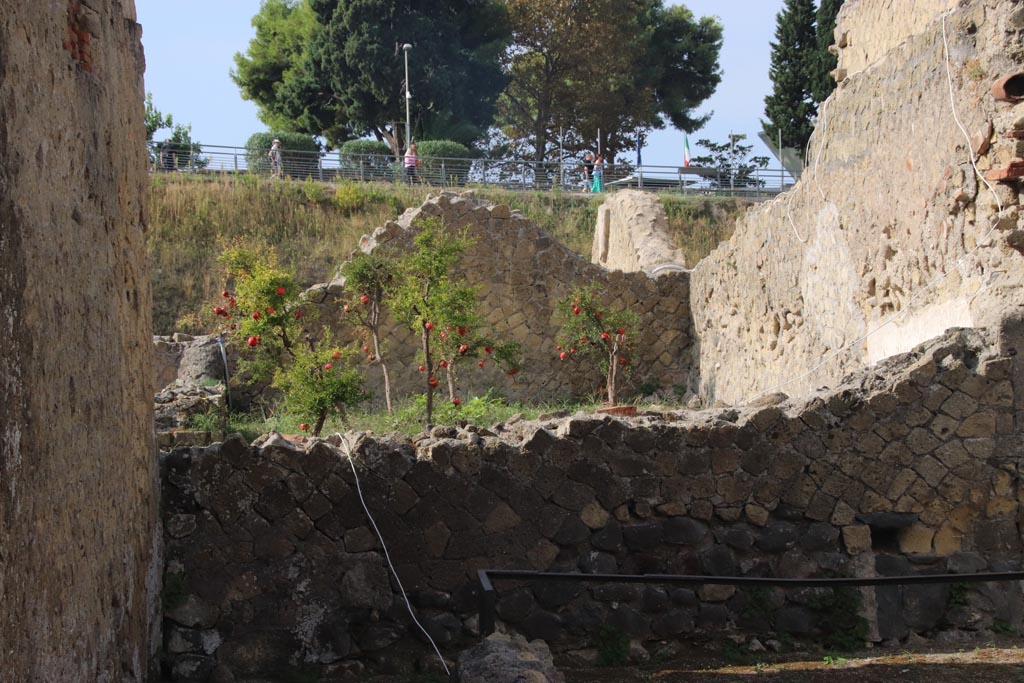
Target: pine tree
{"points": [[822, 83], [790, 107]]}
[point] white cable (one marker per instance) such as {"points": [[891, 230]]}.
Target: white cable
{"points": [[956, 117], [789, 215], [348, 451], [821, 145], [940, 277]]}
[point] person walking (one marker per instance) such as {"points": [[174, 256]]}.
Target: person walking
{"points": [[598, 185], [166, 156], [588, 171], [411, 162], [275, 159]]}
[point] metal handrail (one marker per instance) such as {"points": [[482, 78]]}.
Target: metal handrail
{"points": [[513, 174], [489, 599]]}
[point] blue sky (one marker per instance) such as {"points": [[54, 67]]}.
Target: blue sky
{"points": [[190, 44]]}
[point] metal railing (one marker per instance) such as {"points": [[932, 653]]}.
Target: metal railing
{"points": [[489, 599], [512, 174]]}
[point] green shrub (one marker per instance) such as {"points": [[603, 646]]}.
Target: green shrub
{"points": [[367, 160], [300, 154], [839, 610], [593, 335], [349, 197], [319, 381], [437, 161], [314, 191], [612, 646], [366, 147], [267, 320]]}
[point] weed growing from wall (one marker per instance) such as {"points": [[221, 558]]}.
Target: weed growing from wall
{"points": [[612, 646], [839, 610]]}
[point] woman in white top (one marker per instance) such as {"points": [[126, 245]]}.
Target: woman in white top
{"points": [[411, 162]]}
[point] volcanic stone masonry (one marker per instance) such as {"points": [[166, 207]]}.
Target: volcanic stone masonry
{"points": [[521, 273], [912, 467]]}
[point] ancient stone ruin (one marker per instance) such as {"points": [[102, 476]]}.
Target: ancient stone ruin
{"points": [[882, 293], [909, 468], [889, 238], [520, 273], [80, 559]]}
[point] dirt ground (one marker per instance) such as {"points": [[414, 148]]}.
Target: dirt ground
{"points": [[995, 660]]}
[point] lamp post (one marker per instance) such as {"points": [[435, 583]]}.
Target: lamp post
{"points": [[408, 137]]}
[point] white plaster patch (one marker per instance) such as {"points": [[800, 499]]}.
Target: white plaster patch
{"points": [[829, 283], [904, 333]]}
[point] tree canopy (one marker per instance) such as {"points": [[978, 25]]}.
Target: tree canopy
{"points": [[273, 61], [605, 69], [348, 78], [619, 67], [822, 83], [801, 67], [790, 108]]}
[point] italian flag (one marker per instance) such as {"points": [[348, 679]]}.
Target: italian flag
{"points": [[686, 150]]}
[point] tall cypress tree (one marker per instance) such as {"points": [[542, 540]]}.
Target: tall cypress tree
{"points": [[790, 106], [822, 83]]}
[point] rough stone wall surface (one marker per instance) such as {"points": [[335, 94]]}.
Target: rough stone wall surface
{"points": [[889, 235], [911, 467], [520, 273], [79, 540], [632, 235], [866, 30], [187, 360]]}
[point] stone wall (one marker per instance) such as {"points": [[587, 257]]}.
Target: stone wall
{"points": [[889, 238], [910, 468], [867, 30], [186, 360], [632, 235], [521, 272], [79, 540]]}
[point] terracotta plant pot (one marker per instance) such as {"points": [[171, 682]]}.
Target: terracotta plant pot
{"points": [[1009, 88], [621, 411]]}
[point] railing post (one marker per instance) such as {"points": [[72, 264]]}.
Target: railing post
{"points": [[236, 161], [320, 167], [444, 175]]}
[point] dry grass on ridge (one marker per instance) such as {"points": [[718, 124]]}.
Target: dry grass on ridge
{"points": [[314, 226]]}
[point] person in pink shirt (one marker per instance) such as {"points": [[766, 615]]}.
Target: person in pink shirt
{"points": [[411, 162]]}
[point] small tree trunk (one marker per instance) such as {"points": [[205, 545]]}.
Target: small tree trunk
{"points": [[384, 369], [320, 419], [430, 370], [613, 370], [450, 376]]}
